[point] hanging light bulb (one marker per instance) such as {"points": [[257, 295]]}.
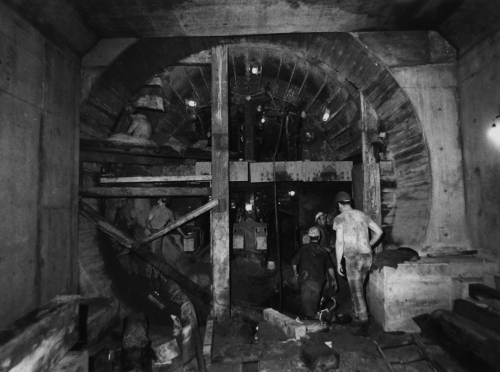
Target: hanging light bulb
{"points": [[255, 70], [326, 115], [190, 103], [494, 132]]}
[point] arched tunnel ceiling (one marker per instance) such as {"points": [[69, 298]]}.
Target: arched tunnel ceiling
{"points": [[338, 53], [284, 81], [79, 24]]}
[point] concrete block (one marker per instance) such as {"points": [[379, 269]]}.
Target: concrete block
{"points": [[73, 361], [166, 349], [289, 326], [319, 357], [460, 286], [492, 280], [398, 295]]}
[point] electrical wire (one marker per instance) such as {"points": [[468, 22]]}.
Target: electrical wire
{"points": [[278, 242]]}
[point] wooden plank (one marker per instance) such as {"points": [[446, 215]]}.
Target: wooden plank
{"points": [[192, 356], [208, 341], [94, 217], [220, 184], [132, 149], [134, 192], [245, 353], [372, 204], [485, 294], [180, 221], [156, 179], [480, 340], [436, 355], [41, 338], [477, 314], [238, 170], [306, 171]]}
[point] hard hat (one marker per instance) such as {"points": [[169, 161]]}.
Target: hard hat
{"points": [[318, 215], [342, 196], [314, 232]]}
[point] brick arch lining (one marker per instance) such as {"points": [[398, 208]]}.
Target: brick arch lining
{"points": [[406, 218]]}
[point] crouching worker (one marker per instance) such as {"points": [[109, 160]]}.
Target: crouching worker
{"points": [[313, 262]]}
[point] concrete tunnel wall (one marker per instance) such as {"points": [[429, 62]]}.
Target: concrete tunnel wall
{"points": [[39, 134]]}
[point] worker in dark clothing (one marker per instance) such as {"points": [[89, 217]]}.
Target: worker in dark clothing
{"points": [[325, 242], [314, 262]]}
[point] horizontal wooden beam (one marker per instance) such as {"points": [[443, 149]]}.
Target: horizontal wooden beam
{"points": [[132, 149], [134, 192], [103, 157], [200, 178], [41, 338]]}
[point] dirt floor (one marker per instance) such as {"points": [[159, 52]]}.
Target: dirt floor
{"points": [[357, 354]]}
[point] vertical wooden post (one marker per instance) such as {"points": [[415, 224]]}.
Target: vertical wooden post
{"points": [[220, 184], [371, 169]]}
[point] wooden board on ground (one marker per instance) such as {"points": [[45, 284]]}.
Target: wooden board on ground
{"points": [[485, 294], [480, 340], [437, 356], [41, 338], [477, 314]]}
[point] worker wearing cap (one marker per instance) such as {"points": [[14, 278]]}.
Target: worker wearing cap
{"points": [[354, 243], [324, 241], [314, 262]]}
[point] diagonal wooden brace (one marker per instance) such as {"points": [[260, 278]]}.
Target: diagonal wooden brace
{"points": [[179, 222], [149, 257]]}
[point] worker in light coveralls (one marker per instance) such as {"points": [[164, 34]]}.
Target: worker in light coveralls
{"points": [[354, 243], [314, 262]]}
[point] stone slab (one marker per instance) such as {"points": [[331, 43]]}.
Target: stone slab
{"points": [[289, 326]]}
